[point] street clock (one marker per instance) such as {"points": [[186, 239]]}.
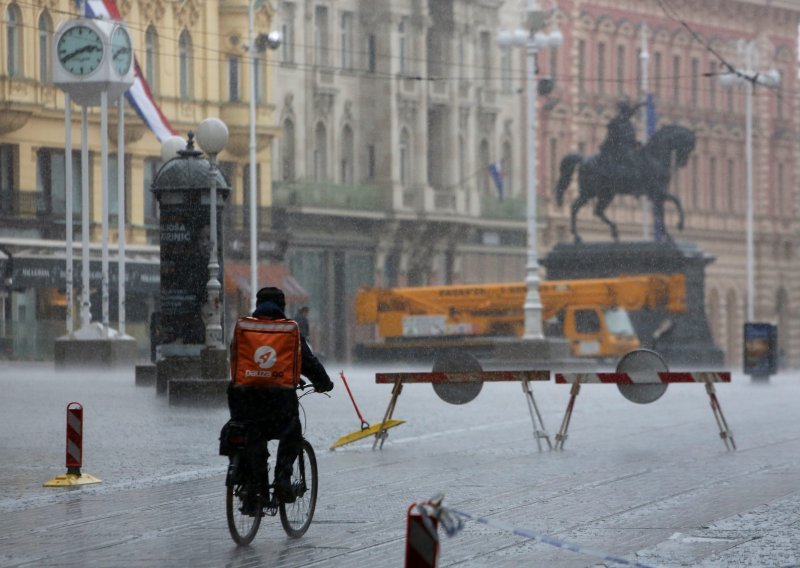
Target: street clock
{"points": [[91, 56]]}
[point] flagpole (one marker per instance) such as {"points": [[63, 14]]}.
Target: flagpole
{"points": [[645, 57]]}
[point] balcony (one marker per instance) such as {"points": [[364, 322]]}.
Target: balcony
{"points": [[509, 209], [20, 204], [329, 196]]}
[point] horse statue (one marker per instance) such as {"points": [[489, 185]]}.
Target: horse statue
{"points": [[602, 180]]}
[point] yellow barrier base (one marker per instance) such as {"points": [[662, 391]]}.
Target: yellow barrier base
{"points": [[367, 432], [71, 480]]}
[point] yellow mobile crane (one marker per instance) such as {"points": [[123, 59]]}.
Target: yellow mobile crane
{"points": [[591, 313]]}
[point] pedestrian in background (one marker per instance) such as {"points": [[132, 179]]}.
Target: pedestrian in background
{"points": [[302, 322]]}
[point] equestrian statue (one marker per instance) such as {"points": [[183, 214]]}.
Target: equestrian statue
{"points": [[625, 166]]}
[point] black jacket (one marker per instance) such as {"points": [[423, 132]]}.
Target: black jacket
{"points": [[249, 402]]}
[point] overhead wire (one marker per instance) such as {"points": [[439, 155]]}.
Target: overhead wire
{"points": [[494, 73]]}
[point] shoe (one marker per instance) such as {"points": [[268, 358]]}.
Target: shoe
{"points": [[284, 491], [250, 507]]}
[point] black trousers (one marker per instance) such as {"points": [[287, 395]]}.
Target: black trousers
{"points": [[274, 414]]}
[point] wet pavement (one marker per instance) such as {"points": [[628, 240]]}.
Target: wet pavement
{"points": [[651, 483]]}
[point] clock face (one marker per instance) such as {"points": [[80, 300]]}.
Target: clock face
{"points": [[80, 50], [121, 52]]}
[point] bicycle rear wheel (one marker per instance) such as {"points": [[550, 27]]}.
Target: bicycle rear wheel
{"points": [[243, 527], [296, 517]]}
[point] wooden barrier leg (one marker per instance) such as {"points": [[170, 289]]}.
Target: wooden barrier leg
{"points": [[382, 434], [534, 412], [724, 432], [561, 437]]}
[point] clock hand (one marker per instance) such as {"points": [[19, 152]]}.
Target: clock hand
{"points": [[120, 51], [79, 51]]}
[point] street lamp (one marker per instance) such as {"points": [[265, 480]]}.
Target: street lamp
{"points": [[750, 78], [533, 40], [212, 135], [273, 41]]}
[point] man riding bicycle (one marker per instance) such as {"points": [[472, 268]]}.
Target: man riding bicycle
{"points": [[268, 355]]}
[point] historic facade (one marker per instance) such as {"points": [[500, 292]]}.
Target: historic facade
{"points": [[392, 112], [386, 117], [194, 57]]}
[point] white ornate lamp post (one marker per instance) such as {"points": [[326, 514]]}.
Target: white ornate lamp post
{"points": [[212, 135], [749, 77], [273, 41], [533, 39]]}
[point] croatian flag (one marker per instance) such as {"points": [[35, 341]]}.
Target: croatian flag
{"points": [[139, 95], [496, 172]]}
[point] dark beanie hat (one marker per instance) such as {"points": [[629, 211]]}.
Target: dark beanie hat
{"points": [[271, 294]]}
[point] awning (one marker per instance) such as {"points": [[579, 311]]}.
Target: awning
{"points": [[237, 279], [40, 263]]}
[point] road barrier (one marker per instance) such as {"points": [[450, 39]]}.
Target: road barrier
{"points": [[452, 521], [74, 451], [646, 386], [458, 379], [422, 541]]}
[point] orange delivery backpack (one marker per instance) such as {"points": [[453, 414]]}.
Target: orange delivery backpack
{"points": [[266, 353]]}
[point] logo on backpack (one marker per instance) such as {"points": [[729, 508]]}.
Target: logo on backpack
{"points": [[265, 357]]}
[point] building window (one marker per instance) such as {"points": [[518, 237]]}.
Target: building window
{"points": [[45, 48], [321, 35], [260, 78], [51, 181], [581, 66], [151, 214], [246, 199], [676, 78], [113, 191], [731, 205], [287, 151], [14, 41], [346, 170], [620, 70], [486, 58], [402, 45], [601, 68], [185, 58], [405, 158], [372, 54], [507, 169], [371, 161], [712, 89], [783, 204], [320, 153], [347, 40], [712, 183], [233, 78], [695, 78], [695, 184], [505, 70], [151, 58], [484, 160], [553, 51], [657, 69], [7, 177], [287, 28]]}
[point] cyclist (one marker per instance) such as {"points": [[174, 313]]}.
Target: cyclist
{"points": [[267, 356]]}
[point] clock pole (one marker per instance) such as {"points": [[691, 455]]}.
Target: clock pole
{"points": [[93, 62]]}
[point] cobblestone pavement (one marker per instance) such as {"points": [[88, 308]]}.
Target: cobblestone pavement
{"points": [[650, 483]]}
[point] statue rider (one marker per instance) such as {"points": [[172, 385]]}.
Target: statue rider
{"points": [[618, 149]]}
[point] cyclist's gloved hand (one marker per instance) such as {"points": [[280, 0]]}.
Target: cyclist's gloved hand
{"points": [[324, 387]]}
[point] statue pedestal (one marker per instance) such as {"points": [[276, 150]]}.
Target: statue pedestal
{"points": [[94, 347], [688, 343]]}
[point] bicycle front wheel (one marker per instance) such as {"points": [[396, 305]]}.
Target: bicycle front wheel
{"points": [[296, 517], [242, 523]]}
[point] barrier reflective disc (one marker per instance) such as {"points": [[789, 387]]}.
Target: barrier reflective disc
{"points": [[642, 360], [456, 361]]}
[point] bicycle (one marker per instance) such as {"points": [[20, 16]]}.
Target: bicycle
{"points": [[244, 504]]}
